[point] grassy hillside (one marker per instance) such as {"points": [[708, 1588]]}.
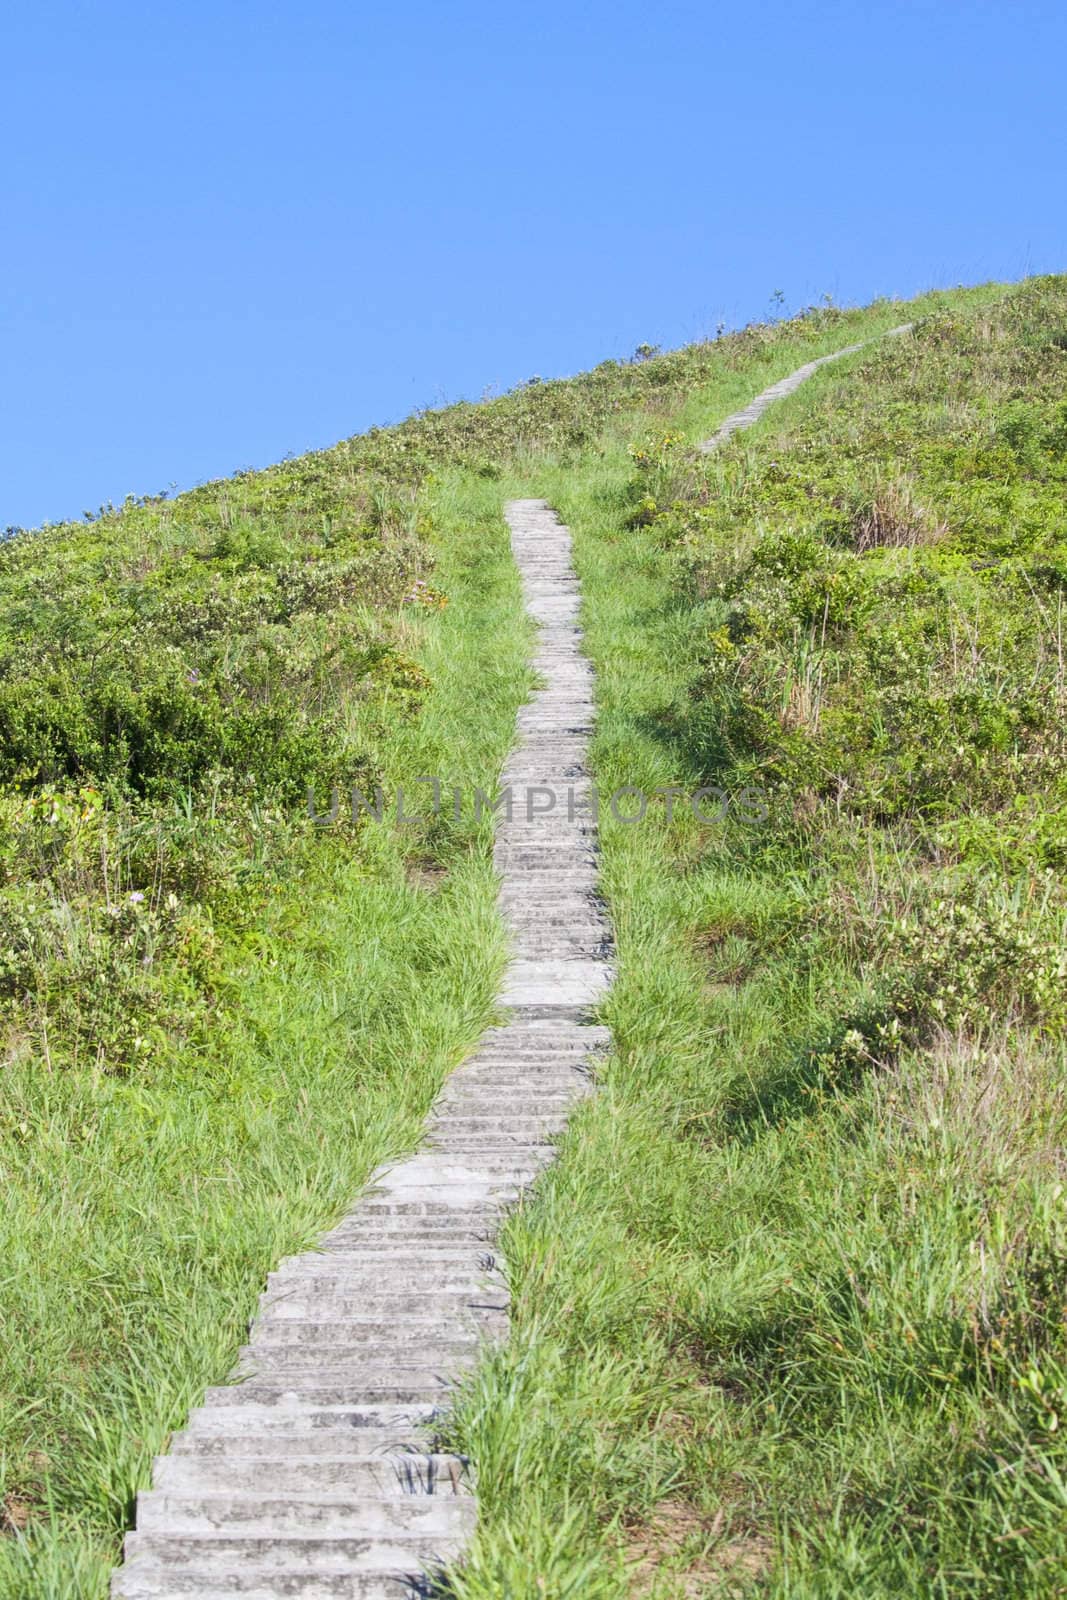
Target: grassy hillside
{"points": [[215, 1015], [790, 1309]]}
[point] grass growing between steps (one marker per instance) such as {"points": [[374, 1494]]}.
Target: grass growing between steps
{"points": [[789, 1310], [214, 1017], [144, 1209]]}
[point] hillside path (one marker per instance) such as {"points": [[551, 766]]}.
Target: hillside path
{"points": [[311, 1475], [778, 391]]}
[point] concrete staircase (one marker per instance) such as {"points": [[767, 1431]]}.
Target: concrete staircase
{"points": [[312, 1476], [777, 391]]}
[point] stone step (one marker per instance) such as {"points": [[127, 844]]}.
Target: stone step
{"points": [[530, 1127], [551, 1086], [474, 1144], [386, 1255], [540, 765], [478, 1235], [538, 941], [379, 1290], [527, 1050], [559, 770], [478, 1230], [543, 1076], [571, 679], [535, 942], [481, 1187], [483, 1145], [398, 1268], [541, 920], [368, 1333], [578, 918], [402, 1231], [322, 1298], [562, 895], [339, 1516], [549, 828], [561, 892], [214, 1556], [573, 720], [304, 1303], [373, 1424], [143, 1583], [402, 1472], [547, 1074], [279, 1445], [556, 982], [541, 1032], [495, 1079], [451, 1181], [542, 923], [478, 1142], [534, 938], [564, 711], [546, 848], [571, 846], [360, 1368], [546, 855], [314, 1396], [550, 741], [538, 924], [540, 1063], [568, 910], [550, 825], [540, 944], [561, 700], [291, 1339], [548, 758], [531, 1052], [473, 1200], [563, 889], [429, 1168], [481, 1101]]}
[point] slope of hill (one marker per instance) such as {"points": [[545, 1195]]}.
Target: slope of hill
{"points": [[800, 1219], [789, 1310]]}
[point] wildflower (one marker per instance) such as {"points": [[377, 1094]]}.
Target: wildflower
{"points": [[136, 897]]}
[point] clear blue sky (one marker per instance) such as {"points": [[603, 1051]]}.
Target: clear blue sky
{"points": [[236, 230]]}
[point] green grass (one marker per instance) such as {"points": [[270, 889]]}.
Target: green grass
{"points": [[143, 1210], [215, 1017], [758, 1302], [789, 1309]]}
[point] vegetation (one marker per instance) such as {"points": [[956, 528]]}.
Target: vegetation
{"points": [[217, 1016], [790, 1308]]}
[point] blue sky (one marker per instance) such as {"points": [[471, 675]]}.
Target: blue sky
{"points": [[232, 231]]}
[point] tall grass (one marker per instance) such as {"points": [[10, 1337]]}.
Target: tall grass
{"points": [[143, 1212], [191, 1098], [789, 1308]]}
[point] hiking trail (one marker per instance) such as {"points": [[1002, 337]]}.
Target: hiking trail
{"points": [[312, 1477]]}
